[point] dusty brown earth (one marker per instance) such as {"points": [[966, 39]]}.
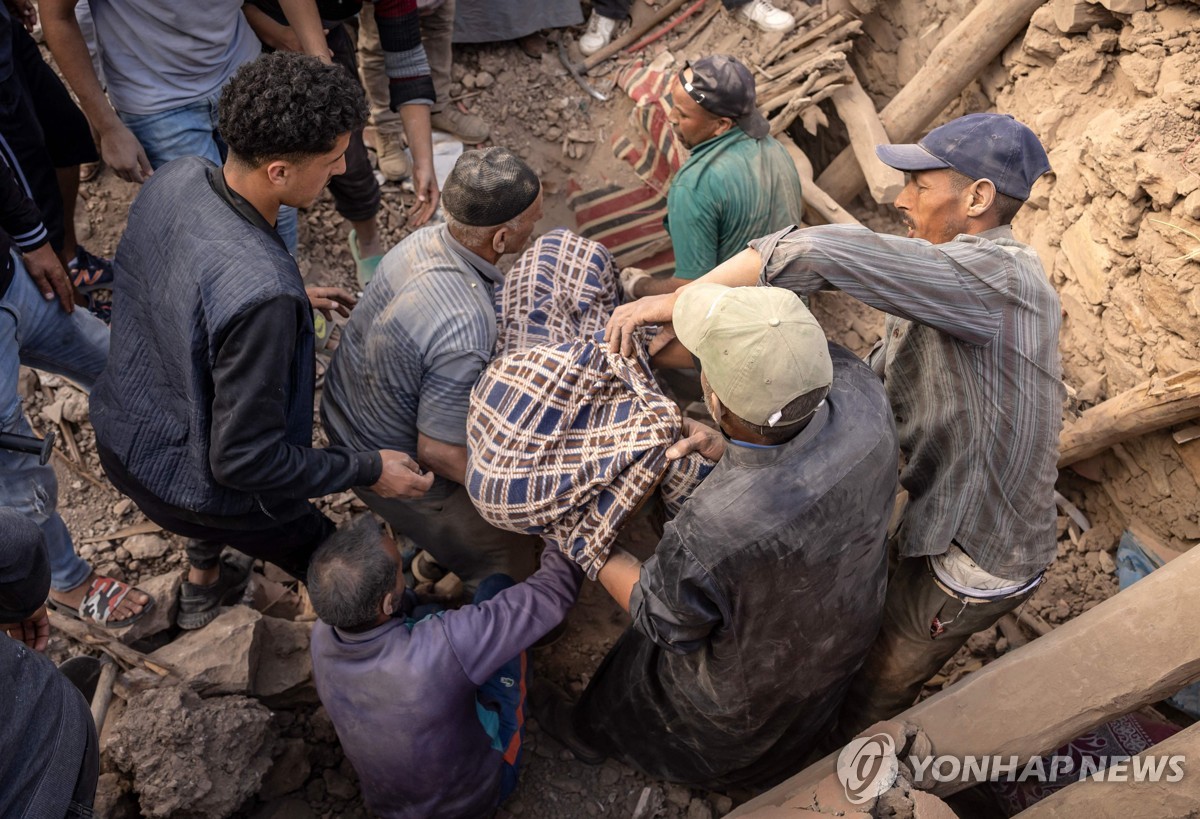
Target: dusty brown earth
{"points": [[530, 105]]}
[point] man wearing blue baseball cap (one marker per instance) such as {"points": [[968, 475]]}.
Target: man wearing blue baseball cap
{"points": [[970, 361]]}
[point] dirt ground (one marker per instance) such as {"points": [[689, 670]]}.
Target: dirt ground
{"points": [[530, 105]]}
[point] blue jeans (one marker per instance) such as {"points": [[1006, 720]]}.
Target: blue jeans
{"points": [[191, 130], [37, 333], [501, 700]]}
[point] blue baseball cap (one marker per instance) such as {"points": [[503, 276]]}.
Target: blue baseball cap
{"points": [[979, 146]]}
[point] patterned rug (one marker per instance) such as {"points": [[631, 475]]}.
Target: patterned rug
{"points": [[628, 220]]}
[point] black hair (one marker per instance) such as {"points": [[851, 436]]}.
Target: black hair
{"points": [[1006, 206], [288, 106], [788, 426], [350, 574]]}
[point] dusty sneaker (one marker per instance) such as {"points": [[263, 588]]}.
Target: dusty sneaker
{"points": [[467, 127], [600, 30], [766, 16], [389, 150], [200, 605]]}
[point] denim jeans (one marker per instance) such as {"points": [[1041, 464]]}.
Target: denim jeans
{"points": [[191, 130], [37, 333]]}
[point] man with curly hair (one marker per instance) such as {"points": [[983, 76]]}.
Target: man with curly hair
{"points": [[203, 415]]}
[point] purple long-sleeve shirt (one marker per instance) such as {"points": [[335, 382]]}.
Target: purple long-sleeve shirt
{"points": [[402, 696]]}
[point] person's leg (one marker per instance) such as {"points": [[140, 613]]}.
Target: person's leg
{"points": [[761, 13], [437, 29], [458, 538], [356, 192], [502, 699], [389, 140], [923, 626], [612, 9], [39, 334]]}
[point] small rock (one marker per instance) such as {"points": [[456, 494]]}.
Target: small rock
{"points": [[1107, 564], [122, 554], [315, 790], [484, 80], [468, 81], [290, 771], [565, 784], [145, 547], [121, 507], [609, 775], [338, 785], [699, 809], [554, 133], [721, 803], [678, 796]]}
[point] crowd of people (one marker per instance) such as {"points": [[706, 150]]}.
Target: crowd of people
{"points": [[510, 424]]}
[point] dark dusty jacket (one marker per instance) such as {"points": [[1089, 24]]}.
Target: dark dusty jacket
{"points": [[759, 603], [206, 401], [402, 696]]}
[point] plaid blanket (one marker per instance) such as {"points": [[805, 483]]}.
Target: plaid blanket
{"points": [[565, 439]]}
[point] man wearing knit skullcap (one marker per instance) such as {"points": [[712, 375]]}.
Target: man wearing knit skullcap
{"points": [[41, 712], [423, 331]]}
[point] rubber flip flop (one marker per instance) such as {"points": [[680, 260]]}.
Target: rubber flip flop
{"points": [[364, 268]]}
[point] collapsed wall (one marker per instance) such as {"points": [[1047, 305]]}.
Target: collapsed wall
{"points": [[1116, 103]]}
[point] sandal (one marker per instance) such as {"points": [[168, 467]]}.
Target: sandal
{"points": [[90, 272], [100, 601], [363, 268]]}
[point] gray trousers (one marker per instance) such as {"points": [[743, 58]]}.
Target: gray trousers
{"points": [[458, 538], [907, 652]]}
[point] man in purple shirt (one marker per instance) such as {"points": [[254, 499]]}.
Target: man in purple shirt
{"points": [[449, 688]]}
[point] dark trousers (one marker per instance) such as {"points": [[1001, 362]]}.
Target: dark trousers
{"points": [[289, 546], [355, 192], [619, 9], [907, 653]]}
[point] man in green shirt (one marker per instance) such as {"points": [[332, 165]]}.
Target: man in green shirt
{"points": [[738, 184]]}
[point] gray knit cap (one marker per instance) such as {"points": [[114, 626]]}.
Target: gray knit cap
{"points": [[24, 568], [488, 187]]}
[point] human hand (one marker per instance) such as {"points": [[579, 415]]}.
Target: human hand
{"points": [[629, 280], [401, 477], [46, 270], [697, 437], [627, 318], [24, 11], [330, 300], [425, 184], [33, 631], [122, 152]]}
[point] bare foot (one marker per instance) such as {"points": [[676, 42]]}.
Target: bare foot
{"points": [[132, 605]]}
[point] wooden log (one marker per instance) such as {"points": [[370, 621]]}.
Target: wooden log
{"points": [[815, 199], [1153, 405], [956, 61], [1124, 6], [96, 637], [1133, 649], [858, 114], [104, 692], [1077, 16], [1131, 798]]}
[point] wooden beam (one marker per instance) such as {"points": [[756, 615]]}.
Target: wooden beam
{"points": [[1154, 405], [1133, 799], [955, 62], [858, 114], [1133, 649], [815, 199]]}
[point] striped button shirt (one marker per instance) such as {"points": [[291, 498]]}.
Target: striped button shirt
{"points": [[413, 348], [971, 366]]}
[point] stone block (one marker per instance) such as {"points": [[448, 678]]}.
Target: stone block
{"points": [[1090, 260], [190, 757], [164, 588], [289, 773], [222, 657], [146, 547], [284, 673]]}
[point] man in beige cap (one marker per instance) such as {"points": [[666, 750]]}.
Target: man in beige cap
{"points": [[766, 590]]}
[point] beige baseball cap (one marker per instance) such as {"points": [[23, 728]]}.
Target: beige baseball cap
{"points": [[759, 347]]}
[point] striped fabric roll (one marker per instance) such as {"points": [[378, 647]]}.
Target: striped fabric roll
{"points": [[567, 440]]}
